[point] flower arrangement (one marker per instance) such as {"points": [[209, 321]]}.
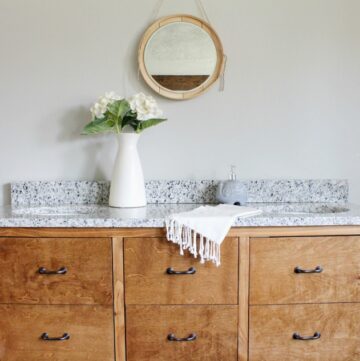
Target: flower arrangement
{"points": [[113, 113]]}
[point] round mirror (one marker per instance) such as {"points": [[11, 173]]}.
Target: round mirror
{"points": [[180, 56]]}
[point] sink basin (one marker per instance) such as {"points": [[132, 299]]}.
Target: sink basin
{"points": [[311, 209], [103, 211], [82, 211], [60, 210]]}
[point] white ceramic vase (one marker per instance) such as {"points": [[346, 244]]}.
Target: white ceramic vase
{"points": [[127, 185]]}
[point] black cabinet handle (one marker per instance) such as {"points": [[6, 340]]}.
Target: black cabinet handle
{"points": [[297, 336], [60, 271], [190, 271], [191, 337], [64, 337], [317, 269]]}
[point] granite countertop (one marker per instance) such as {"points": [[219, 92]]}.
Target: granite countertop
{"points": [[82, 216], [81, 204]]}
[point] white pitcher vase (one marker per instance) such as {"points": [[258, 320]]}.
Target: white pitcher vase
{"points": [[127, 185]]}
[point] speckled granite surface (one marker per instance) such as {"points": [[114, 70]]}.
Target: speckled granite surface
{"points": [[81, 216], [82, 204], [180, 191]]}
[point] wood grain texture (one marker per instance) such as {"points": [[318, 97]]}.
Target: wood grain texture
{"points": [[160, 232], [272, 327], [180, 82], [146, 281], [90, 328], [148, 327], [87, 281], [82, 232], [243, 337], [119, 307], [272, 276]]}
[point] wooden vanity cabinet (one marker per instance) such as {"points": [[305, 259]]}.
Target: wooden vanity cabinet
{"points": [[305, 270], [56, 299], [156, 274], [154, 333], [305, 298], [272, 330], [88, 329], [177, 308], [56, 271], [127, 295]]}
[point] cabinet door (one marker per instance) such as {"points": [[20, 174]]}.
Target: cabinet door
{"points": [[148, 282], [74, 271], [211, 333], [328, 270], [89, 328], [335, 329]]}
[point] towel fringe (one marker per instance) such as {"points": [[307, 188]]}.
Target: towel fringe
{"points": [[187, 239]]}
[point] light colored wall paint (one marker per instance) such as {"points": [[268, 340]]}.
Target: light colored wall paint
{"points": [[291, 106]]}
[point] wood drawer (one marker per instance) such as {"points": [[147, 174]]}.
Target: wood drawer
{"points": [[272, 329], [273, 260], [147, 282], [90, 329], [149, 326], [89, 271]]}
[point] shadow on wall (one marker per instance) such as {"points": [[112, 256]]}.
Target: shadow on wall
{"points": [[95, 153], [6, 193], [71, 124]]}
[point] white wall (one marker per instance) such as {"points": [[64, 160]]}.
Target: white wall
{"points": [[291, 106]]}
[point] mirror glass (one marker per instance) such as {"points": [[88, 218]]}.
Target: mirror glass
{"points": [[180, 56]]}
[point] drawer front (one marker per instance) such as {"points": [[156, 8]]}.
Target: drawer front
{"points": [[147, 282], [148, 329], [90, 329], [272, 329], [88, 277], [272, 270]]}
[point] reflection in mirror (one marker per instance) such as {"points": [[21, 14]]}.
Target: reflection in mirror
{"points": [[180, 56]]}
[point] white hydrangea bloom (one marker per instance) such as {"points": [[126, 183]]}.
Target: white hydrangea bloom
{"points": [[98, 110], [100, 107], [145, 107], [112, 96]]}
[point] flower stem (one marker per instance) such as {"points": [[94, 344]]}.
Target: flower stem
{"points": [[117, 128]]}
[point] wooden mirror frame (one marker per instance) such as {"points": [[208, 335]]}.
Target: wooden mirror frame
{"points": [[174, 94]]}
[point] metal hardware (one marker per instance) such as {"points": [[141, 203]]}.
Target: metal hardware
{"points": [[297, 336], [64, 337], [60, 271], [190, 271], [317, 269], [191, 337]]}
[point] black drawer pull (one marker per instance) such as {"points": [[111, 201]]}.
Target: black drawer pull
{"points": [[64, 337], [191, 337], [190, 271], [60, 271], [297, 336], [317, 269]]}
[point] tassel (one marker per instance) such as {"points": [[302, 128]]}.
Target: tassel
{"points": [[187, 239], [194, 244]]}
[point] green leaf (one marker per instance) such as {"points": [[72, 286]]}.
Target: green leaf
{"points": [[148, 123], [99, 126], [119, 108], [130, 119]]}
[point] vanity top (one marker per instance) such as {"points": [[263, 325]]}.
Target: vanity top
{"points": [[82, 204], [83, 216]]}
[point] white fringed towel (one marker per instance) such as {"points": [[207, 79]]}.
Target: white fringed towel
{"points": [[202, 230]]}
